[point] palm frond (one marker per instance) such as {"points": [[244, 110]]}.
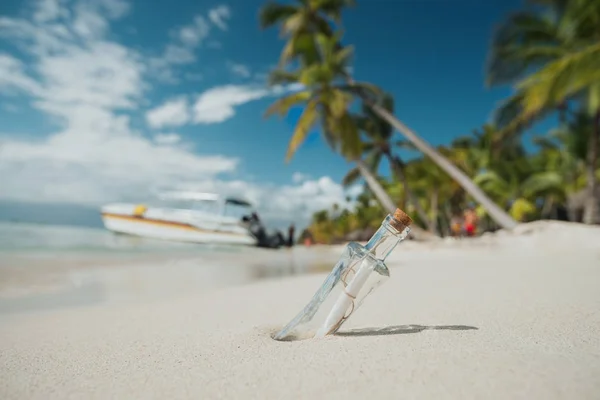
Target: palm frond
{"points": [[369, 146], [281, 77], [316, 74], [541, 182], [294, 23], [351, 177], [377, 127], [351, 146], [274, 13], [338, 102], [373, 159], [364, 90], [343, 56], [523, 41], [560, 80], [511, 118], [301, 45], [333, 8], [283, 105], [303, 126], [464, 142], [545, 143], [582, 17], [404, 144], [593, 102], [491, 182], [329, 130]]}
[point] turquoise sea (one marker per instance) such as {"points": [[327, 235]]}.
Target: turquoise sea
{"points": [[30, 237], [53, 266]]}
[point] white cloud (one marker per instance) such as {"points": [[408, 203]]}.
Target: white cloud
{"points": [[218, 104], [103, 74], [167, 138], [298, 177], [181, 50], [178, 55], [194, 34], [91, 17], [12, 75], [48, 10], [218, 15], [212, 106], [239, 70], [172, 113], [302, 200]]}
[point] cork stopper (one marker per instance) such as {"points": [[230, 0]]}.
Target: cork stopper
{"points": [[400, 220]]}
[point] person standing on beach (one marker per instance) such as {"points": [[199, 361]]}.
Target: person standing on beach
{"points": [[456, 225], [291, 230], [471, 220]]}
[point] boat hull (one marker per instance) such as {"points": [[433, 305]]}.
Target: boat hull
{"points": [[173, 230]]}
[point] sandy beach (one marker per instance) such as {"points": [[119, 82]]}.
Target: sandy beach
{"points": [[504, 316]]}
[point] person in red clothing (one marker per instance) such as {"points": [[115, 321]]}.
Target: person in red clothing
{"points": [[471, 220]]}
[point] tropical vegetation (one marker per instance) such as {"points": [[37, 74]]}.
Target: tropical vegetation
{"points": [[550, 54]]}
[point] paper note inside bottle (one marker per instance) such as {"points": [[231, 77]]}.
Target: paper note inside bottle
{"points": [[359, 271]]}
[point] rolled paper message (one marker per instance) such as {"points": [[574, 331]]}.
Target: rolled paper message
{"points": [[359, 271]]}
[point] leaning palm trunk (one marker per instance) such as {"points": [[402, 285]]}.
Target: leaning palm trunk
{"points": [[375, 187], [384, 199], [590, 210], [435, 195], [498, 214], [412, 198]]}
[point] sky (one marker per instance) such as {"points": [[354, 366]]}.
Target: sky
{"points": [[112, 100]]}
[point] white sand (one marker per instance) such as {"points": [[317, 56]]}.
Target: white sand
{"points": [[533, 300]]}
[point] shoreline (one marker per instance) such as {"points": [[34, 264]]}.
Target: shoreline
{"points": [[31, 281]]}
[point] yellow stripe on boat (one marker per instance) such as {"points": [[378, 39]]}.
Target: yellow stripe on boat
{"points": [[173, 224]]}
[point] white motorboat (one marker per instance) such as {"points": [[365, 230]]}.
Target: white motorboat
{"points": [[184, 216]]}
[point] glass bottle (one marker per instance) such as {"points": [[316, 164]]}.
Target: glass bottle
{"points": [[359, 271]]}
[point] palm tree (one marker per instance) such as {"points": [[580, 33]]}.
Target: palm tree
{"points": [[555, 179], [433, 185], [552, 58], [378, 137], [308, 19], [300, 21], [327, 104], [564, 153]]}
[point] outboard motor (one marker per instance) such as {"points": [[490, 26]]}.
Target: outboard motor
{"points": [[257, 230], [276, 240]]}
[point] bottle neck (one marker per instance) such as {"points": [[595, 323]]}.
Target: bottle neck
{"points": [[385, 239]]}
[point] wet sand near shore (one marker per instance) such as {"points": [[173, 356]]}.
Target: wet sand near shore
{"points": [[37, 281]]}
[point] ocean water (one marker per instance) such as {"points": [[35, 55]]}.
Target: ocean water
{"points": [[44, 267], [29, 237]]}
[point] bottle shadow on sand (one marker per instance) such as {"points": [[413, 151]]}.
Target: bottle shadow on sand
{"points": [[402, 330]]}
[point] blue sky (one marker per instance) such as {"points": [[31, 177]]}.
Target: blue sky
{"points": [[104, 100]]}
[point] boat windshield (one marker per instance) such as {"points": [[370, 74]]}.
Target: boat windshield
{"points": [[211, 207], [237, 210], [206, 203]]}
